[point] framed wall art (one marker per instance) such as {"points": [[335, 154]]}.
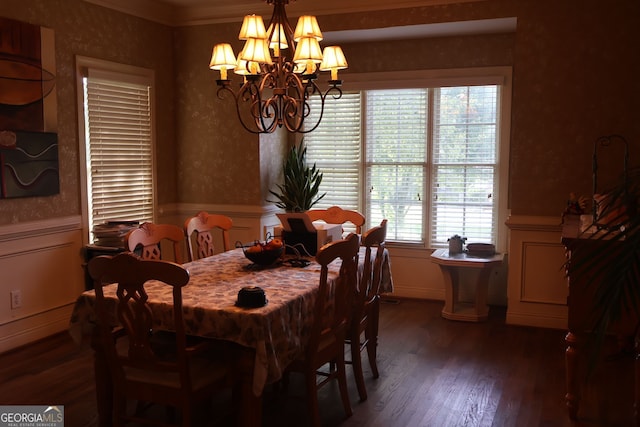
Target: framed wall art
{"points": [[28, 111]]}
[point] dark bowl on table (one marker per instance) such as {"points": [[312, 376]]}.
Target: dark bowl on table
{"points": [[266, 256], [251, 297]]}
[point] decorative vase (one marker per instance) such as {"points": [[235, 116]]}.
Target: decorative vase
{"points": [[455, 244]]}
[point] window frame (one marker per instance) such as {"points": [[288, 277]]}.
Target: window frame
{"points": [[132, 74], [501, 76]]}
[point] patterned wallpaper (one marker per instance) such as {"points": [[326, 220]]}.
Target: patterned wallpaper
{"points": [[575, 67], [85, 29]]}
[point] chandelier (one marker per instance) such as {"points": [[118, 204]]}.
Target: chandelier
{"points": [[277, 87]]}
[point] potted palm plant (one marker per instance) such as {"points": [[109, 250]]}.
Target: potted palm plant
{"points": [[299, 191]]}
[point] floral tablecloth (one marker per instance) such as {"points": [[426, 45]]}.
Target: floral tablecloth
{"points": [[276, 331]]}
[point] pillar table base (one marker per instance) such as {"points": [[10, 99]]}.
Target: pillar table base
{"points": [[450, 266]]}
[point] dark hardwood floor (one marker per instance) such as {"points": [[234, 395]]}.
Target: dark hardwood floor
{"points": [[433, 372]]}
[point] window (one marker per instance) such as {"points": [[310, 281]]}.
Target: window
{"points": [[428, 158], [117, 126]]}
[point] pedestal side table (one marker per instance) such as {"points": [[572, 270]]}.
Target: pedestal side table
{"points": [[450, 265]]}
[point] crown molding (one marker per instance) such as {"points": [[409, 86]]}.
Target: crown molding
{"points": [[443, 29], [196, 12]]}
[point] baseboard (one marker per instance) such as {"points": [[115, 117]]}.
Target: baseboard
{"points": [[411, 292], [538, 320], [27, 330]]}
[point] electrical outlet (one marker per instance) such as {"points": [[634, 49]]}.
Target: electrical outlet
{"points": [[16, 299]]}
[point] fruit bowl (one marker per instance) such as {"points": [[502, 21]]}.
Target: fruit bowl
{"points": [[263, 253]]}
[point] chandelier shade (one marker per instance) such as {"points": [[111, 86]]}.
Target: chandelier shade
{"points": [[307, 27], [308, 53], [222, 59], [279, 69], [278, 38], [256, 50], [333, 59], [252, 28]]}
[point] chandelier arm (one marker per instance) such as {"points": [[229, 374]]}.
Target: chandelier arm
{"points": [[291, 114], [293, 111], [260, 110], [268, 108], [248, 94], [271, 108], [323, 97]]}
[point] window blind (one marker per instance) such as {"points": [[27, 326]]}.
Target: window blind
{"points": [[119, 148], [395, 141], [464, 164], [334, 146]]}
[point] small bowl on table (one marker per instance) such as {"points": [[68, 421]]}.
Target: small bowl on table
{"points": [[263, 254]]}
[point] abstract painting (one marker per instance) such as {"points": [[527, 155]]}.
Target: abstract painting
{"points": [[28, 111]]}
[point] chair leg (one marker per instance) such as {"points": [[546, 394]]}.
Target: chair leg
{"points": [[372, 339], [312, 397], [342, 383], [372, 350], [185, 414], [119, 410], [285, 380], [356, 363]]}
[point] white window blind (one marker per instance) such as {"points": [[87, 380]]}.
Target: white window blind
{"points": [[119, 148], [334, 146], [396, 130], [463, 178]]}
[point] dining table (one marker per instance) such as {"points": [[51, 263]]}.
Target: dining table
{"points": [[269, 337]]}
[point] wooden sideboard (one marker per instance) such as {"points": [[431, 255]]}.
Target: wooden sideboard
{"points": [[583, 311]]}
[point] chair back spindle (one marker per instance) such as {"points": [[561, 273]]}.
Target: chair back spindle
{"points": [[202, 225]]}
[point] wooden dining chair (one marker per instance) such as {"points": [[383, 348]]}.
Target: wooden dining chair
{"points": [[328, 332], [337, 215], [148, 238], [179, 378], [366, 307], [202, 224]]}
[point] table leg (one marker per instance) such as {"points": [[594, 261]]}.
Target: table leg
{"points": [[636, 403], [571, 360], [104, 386], [482, 289], [248, 405], [450, 276]]}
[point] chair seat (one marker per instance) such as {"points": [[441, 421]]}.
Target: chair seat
{"points": [[203, 372], [326, 343]]}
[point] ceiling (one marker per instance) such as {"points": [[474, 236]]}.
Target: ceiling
{"points": [[198, 12]]}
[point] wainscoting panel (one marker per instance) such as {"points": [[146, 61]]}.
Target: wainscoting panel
{"points": [[536, 288], [414, 275], [42, 260]]}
